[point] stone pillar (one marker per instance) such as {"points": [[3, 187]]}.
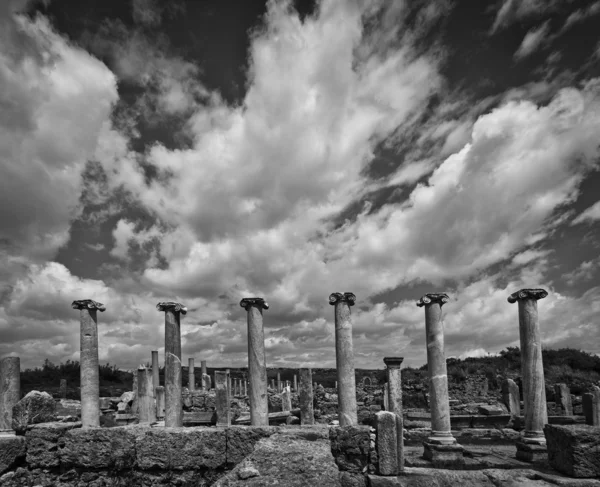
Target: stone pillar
{"points": [[173, 383], [62, 391], [273, 384], [203, 368], [510, 397], [206, 382], [591, 406], [135, 404], [305, 397], [562, 395], [532, 446], [387, 443], [222, 398], [394, 378], [295, 383], [88, 361], [386, 397], [228, 382], [279, 389], [160, 402], [257, 362], [146, 403], [155, 369], [10, 391], [441, 447], [344, 357], [191, 375], [286, 399]]}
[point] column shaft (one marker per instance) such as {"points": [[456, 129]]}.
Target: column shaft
{"points": [[306, 397], [10, 389], [173, 399], [257, 368], [89, 372], [146, 396], [344, 357], [191, 375], [222, 398], [155, 369]]}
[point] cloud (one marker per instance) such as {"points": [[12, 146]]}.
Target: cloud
{"points": [[584, 272], [590, 214], [580, 15], [512, 11], [532, 41]]}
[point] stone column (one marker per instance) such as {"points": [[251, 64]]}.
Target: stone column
{"points": [[563, 397], [591, 406], [257, 362], [191, 375], [160, 402], [386, 397], [146, 403], [273, 384], [344, 357], [222, 398], [510, 397], [532, 445], [286, 399], [394, 379], [206, 382], [62, 391], [10, 391], [173, 383], [203, 368], [441, 447], [306, 397], [135, 404], [228, 382], [155, 369], [295, 383], [279, 382], [88, 361]]}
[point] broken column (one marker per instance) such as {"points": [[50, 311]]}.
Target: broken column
{"points": [[279, 389], [10, 391], [146, 403], [441, 447], [532, 445], [305, 397], [191, 375], [173, 382], [134, 388], [273, 384], [88, 361], [295, 383], [257, 362], [222, 398], [62, 390], [160, 402], [286, 399], [563, 398], [510, 397], [386, 397], [387, 443], [344, 357], [591, 406], [394, 380], [155, 369], [206, 382]]}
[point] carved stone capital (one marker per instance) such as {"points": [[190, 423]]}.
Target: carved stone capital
{"points": [[527, 294], [171, 306], [393, 362], [88, 304], [335, 298], [246, 303], [441, 299]]}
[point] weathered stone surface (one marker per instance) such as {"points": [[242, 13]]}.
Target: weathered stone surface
{"points": [[591, 407], [562, 396], [181, 448], [348, 479], [387, 447], [11, 449], [285, 461], [127, 397], [574, 450], [112, 448], [242, 440], [35, 407], [490, 410], [350, 447], [68, 407], [444, 456], [43, 443]]}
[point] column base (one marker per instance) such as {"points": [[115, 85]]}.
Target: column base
{"points": [[448, 456], [531, 449]]}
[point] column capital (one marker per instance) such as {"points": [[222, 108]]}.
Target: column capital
{"points": [[393, 362], [441, 299], [527, 294], [171, 306], [88, 304], [246, 303], [335, 298]]}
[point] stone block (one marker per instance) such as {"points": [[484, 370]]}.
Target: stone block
{"points": [[531, 450], [490, 410], [444, 456], [348, 479], [68, 407], [387, 443], [378, 481], [12, 448], [350, 447], [180, 448], [36, 407], [241, 441], [562, 396], [591, 407], [90, 448], [43, 442], [574, 450], [510, 397]]}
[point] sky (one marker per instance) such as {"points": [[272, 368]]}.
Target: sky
{"points": [[206, 151]]}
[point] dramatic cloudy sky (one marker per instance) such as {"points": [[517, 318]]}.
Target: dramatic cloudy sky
{"points": [[206, 151]]}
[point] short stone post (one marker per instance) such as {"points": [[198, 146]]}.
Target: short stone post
{"points": [[335, 385], [394, 378], [441, 447], [88, 361], [386, 397], [191, 375], [135, 404], [278, 382], [146, 403], [257, 361], [222, 398], [10, 392], [273, 384], [206, 382], [387, 443], [155, 369], [510, 397], [173, 382], [591, 406], [286, 399], [160, 402], [344, 357], [562, 395], [532, 446], [202, 374], [305, 397], [295, 383], [62, 390]]}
